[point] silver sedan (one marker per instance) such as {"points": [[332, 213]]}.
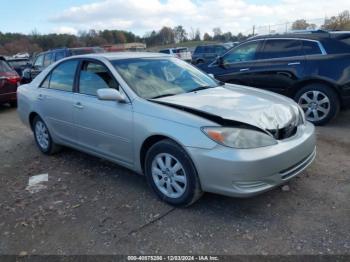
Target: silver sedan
{"points": [[160, 116]]}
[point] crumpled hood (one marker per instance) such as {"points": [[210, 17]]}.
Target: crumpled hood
{"points": [[265, 110]]}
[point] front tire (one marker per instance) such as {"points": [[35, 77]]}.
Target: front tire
{"points": [[171, 174], [43, 138], [319, 102]]}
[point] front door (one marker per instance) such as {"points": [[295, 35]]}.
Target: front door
{"points": [[38, 66], [237, 65], [280, 67], [103, 127]]}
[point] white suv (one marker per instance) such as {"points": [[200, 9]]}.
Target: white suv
{"points": [[180, 52]]}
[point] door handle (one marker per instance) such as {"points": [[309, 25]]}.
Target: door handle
{"points": [[243, 69], [294, 63], [40, 97], [78, 105]]}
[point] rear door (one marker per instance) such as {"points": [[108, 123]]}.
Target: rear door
{"points": [[209, 53], [55, 100], [104, 127], [280, 66]]}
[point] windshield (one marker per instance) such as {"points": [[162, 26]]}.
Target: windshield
{"points": [[17, 63], [162, 76], [4, 67]]}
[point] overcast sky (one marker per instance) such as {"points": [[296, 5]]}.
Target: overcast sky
{"points": [[141, 16]]}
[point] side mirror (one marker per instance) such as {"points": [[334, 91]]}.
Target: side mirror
{"points": [[220, 60], [110, 94]]}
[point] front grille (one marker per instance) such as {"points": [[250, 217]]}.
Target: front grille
{"points": [[284, 132]]}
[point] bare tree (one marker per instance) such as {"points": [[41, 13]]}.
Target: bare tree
{"points": [[339, 22], [207, 37], [302, 24], [180, 33], [217, 31], [197, 36]]}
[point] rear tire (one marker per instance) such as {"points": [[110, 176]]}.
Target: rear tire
{"points": [[43, 138], [319, 102], [171, 174]]}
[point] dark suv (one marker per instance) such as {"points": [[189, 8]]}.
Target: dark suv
{"points": [[44, 59], [311, 67], [207, 53]]}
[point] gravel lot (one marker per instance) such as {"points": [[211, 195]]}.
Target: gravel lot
{"points": [[91, 206]]}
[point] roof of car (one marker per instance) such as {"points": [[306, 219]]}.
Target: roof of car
{"points": [[214, 44], [313, 35], [69, 48], [124, 55]]}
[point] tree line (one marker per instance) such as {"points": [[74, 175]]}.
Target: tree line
{"points": [[339, 22], [12, 43]]}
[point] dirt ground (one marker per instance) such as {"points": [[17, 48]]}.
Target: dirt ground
{"points": [[91, 206]]}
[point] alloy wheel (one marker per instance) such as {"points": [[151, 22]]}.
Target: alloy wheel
{"points": [[315, 104], [169, 175], [42, 135]]}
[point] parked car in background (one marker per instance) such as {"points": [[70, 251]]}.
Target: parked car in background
{"points": [[207, 53], [9, 81], [44, 59], [162, 117], [180, 52], [19, 64], [310, 67]]}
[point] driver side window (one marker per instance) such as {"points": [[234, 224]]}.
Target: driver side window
{"points": [[245, 52], [39, 61], [94, 76]]}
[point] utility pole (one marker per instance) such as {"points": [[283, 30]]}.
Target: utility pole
{"points": [[253, 30]]}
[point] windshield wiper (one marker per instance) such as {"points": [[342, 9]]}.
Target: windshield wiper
{"points": [[164, 95], [200, 88]]}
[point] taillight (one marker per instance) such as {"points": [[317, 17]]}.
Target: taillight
{"points": [[13, 79]]}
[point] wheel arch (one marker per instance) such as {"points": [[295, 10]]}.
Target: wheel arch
{"points": [[311, 81], [32, 115], [149, 142]]}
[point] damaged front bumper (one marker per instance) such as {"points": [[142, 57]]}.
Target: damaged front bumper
{"points": [[247, 172]]}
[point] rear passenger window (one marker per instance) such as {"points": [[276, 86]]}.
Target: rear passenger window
{"points": [[48, 59], [282, 48], [59, 55], [311, 48], [94, 76], [199, 50], [209, 49], [62, 77], [46, 82]]}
